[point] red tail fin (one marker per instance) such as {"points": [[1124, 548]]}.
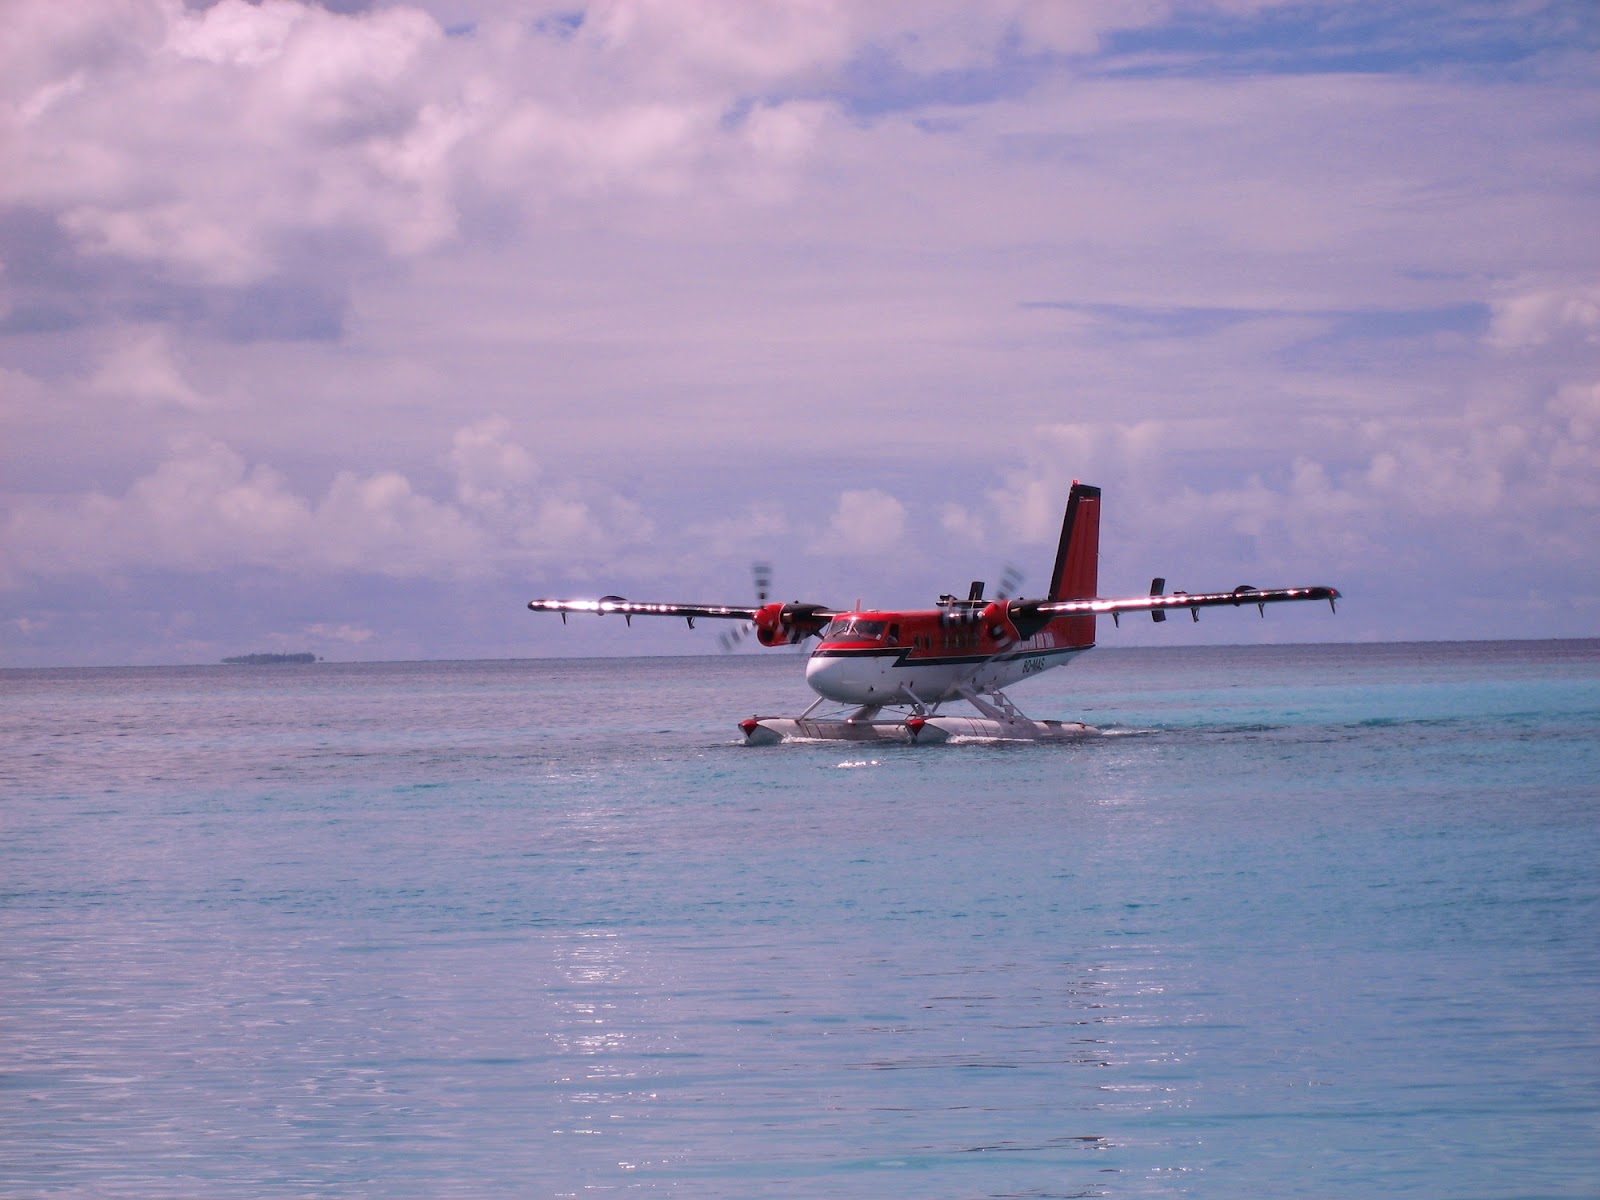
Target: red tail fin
{"points": [[1077, 573]]}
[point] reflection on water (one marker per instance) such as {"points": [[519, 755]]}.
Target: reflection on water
{"points": [[671, 1049]]}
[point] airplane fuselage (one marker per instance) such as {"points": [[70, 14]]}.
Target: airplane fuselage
{"points": [[932, 655]]}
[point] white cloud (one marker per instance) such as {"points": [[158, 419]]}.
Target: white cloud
{"points": [[191, 240], [489, 467], [204, 141], [215, 136], [1579, 406], [351, 635], [752, 530], [1535, 318], [865, 521], [945, 255], [1356, 497], [232, 32], [140, 366], [963, 525], [207, 509], [212, 134], [380, 523]]}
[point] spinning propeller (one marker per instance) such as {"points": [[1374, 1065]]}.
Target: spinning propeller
{"points": [[763, 579]]}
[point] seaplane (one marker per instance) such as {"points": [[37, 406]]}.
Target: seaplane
{"points": [[888, 675]]}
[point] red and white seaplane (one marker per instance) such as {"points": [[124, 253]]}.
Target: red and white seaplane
{"points": [[888, 674]]}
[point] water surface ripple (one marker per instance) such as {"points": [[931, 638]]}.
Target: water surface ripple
{"points": [[1312, 921]]}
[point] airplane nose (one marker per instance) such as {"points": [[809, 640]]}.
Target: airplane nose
{"points": [[835, 678]]}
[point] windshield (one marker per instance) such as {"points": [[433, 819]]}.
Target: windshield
{"points": [[852, 628]]}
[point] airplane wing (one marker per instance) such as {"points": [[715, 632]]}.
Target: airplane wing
{"points": [[1158, 604], [638, 608], [774, 623]]}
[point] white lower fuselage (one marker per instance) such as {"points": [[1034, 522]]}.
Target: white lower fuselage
{"points": [[884, 675]]}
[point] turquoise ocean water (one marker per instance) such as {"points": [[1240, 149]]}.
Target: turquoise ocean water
{"points": [[1314, 921]]}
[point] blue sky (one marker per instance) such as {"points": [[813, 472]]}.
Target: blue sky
{"points": [[349, 328]]}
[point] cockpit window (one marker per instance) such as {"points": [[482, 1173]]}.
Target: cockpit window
{"points": [[852, 628]]}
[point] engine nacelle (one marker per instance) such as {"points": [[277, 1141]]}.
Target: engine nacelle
{"points": [[769, 624], [1024, 619], [997, 622], [785, 624]]}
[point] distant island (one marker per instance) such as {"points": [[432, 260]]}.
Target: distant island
{"points": [[265, 660]]}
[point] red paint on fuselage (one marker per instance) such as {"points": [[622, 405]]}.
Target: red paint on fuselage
{"points": [[931, 655]]}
